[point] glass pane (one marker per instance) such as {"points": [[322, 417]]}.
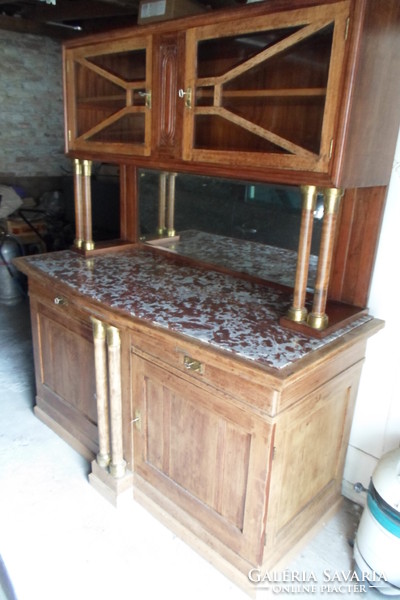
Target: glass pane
{"points": [[212, 132], [216, 56], [97, 98], [246, 227], [128, 129], [129, 66], [297, 120], [283, 93]]}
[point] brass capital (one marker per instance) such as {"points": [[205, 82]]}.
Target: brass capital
{"points": [[99, 329], [77, 166], [332, 197], [309, 197], [113, 336], [87, 168]]}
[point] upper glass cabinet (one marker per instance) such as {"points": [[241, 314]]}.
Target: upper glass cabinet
{"points": [[109, 96], [266, 89]]}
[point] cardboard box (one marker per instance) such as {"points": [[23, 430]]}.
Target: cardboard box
{"points": [[160, 10]]}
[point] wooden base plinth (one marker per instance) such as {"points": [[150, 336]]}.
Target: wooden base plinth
{"points": [[222, 558], [64, 434], [106, 246], [339, 315], [118, 491]]}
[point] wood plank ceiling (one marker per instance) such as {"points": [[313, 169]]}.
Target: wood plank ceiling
{"points": [[72, 18]]}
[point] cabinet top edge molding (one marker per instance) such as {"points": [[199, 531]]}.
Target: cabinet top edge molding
{"points": [[211, 17]]}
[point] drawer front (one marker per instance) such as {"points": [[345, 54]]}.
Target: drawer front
{"points": [[56, 299], [208, 368]]}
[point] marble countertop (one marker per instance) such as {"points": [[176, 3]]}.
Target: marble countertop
{"points": [[225, 312]]}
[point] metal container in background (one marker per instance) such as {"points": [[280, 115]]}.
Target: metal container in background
{"points": [[11, 284], [377, 543]]}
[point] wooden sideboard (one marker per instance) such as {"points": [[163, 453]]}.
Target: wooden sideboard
{"points": [[234, 428], [184, 379]]}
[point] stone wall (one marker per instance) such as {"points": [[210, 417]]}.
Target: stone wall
{"points": [[31, 107]]}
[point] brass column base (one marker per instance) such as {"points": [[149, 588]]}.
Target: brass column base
{"points": [[118, 470], [103, 460], [297, 314], [88, 245], [317, 321]]}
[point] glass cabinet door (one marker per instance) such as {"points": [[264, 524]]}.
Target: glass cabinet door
{"points": [[109, 96], [264, 92]]}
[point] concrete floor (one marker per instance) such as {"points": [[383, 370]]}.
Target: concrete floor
{"points": [[60, 540]]}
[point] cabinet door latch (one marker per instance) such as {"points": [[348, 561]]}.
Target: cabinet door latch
{"points": [[137, 420], [187, 95], [147, 97]]}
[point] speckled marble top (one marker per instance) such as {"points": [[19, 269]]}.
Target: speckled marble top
{"points": [[259, 260], [225, 312]]}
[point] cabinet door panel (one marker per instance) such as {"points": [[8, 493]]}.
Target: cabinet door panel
{"points": [[109, 96], [208, 456], [65, 355], [65, 374], [267, 89]]}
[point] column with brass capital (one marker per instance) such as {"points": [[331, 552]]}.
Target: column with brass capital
{"points": [[317, 318], [298, 311], [78, 195], [171, 205], [88, 243], [118, 464], [100, 360]]}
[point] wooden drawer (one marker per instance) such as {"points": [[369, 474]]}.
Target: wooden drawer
{"points": [[230, 376], [56, 298]]}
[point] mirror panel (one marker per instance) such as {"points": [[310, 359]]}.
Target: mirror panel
{"points": [[241, 226]]}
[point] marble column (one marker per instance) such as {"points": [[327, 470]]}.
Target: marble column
{"points": [[117, 465], [318, 319], [298, 312]]}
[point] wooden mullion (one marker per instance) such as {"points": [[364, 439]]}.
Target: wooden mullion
{"points": [[102, 72], [296, 37], [295, 92], [256, 129], [110, 120]]}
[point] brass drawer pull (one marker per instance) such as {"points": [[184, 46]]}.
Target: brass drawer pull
{"points": [[193, 365], [60, 301]]}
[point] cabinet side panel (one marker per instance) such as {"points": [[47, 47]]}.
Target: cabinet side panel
{"points": [[374, 114], [355, 247], [311, 443]]}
